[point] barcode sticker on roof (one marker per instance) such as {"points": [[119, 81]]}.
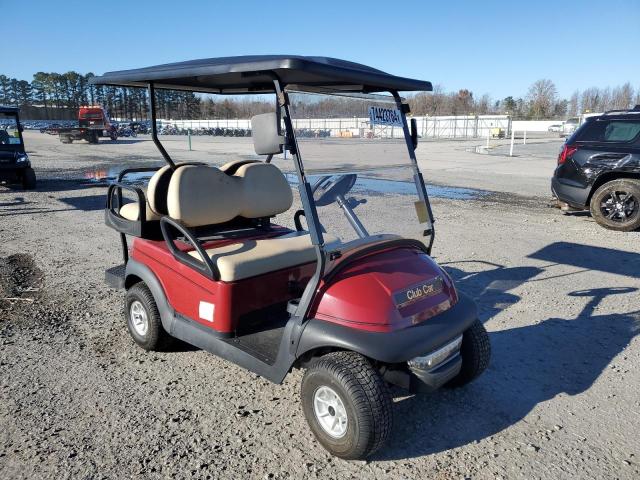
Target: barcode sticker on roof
{"points": [[385, 116]]}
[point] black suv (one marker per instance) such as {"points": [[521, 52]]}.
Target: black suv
{"points": [[599, 169]]}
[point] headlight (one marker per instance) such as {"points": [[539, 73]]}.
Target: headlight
{"points": [[428, 362], [21, 158]]}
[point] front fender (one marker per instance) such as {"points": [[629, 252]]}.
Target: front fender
{"points": [[391, 347]]}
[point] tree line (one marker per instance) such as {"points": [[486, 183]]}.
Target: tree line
{"points": [[57, 96], [541, 102]]}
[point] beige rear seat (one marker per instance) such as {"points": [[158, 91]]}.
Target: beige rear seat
{"points": [[157, 187], [131, 211]]}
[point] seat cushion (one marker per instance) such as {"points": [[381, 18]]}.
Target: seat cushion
{"points": [[131, 211], [250, 258]]}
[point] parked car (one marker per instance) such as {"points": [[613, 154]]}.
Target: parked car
{"points": [[599, 169], [555, 128], [570, 126]]}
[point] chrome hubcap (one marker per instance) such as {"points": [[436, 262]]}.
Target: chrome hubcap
{"points": [[139, 318], [619, 206], [330, 412]]}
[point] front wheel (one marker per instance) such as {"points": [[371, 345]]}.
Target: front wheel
{"points": [[347, 405], [28, 179], [475, 351], [616, 205]]}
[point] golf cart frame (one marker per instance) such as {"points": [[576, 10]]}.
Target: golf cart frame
{"points": [[165, 243]]}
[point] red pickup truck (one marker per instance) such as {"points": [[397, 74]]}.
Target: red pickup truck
{"points": [[93, 123]]}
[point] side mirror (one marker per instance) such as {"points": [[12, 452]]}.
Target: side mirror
{"points": [[414, 133], [265, 133]]}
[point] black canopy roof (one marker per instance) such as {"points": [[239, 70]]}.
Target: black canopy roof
{"points": [[250, 74], [5, 109]]}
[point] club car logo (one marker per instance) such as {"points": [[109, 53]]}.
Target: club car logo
{"points": [[385, 116], [418, 292]]}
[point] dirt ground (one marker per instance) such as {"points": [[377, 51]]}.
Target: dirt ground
{"points": [[558, 294]]}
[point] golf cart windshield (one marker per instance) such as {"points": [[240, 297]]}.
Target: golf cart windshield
{"points": [[10, 136], [357, 162]]}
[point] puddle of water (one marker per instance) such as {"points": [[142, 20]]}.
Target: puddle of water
{"points": [[368, 185], [481, 149], [110, 175]]}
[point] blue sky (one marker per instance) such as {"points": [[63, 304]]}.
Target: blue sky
{"points": [[495, 47]]}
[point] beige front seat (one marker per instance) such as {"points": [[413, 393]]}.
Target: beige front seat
{"points": [[250, 258], [202, 195]]}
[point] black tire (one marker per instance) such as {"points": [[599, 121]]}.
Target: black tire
{"points": [[475, 352], [28, 179], [623, 193], [66, 139], [155, 337], [365, 398]]}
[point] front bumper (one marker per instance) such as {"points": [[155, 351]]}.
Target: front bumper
{"points": [[429, 380]]}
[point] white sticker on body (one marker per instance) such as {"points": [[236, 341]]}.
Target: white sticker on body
{"points": [[206, 311]]}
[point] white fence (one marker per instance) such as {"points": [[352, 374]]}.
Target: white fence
{"points": [[534, 125], [428, 127]]}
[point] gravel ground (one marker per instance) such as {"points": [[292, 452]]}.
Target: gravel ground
{"points": [[557, 293]]}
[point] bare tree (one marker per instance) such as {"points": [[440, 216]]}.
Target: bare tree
{"points": [[590, 99], [604, 100], [483, 106], [574, 104], [462, 102], [622, 96], [542, 98]]}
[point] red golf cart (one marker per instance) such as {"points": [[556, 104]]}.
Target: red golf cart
{"points": [[213, 263]]}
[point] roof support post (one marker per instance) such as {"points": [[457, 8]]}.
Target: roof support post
{"points": [[154, 128], [310, 212]]}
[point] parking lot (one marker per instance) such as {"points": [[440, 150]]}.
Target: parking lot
{"points": [[559, 295]]}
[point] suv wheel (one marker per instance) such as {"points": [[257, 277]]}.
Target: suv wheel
{"points": [[28, 179], [616, 205]]}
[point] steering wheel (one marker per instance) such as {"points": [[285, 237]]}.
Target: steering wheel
{"points": [[332, 187]]}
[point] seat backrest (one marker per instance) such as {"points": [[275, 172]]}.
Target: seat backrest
{"points": [[230, 168], [157, 190], [203, 195]]}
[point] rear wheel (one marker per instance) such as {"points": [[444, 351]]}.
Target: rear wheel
{"points": [[28, 179], [475, 352], [143, 319], [66, 139], [347, 405], [616, 205]]}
